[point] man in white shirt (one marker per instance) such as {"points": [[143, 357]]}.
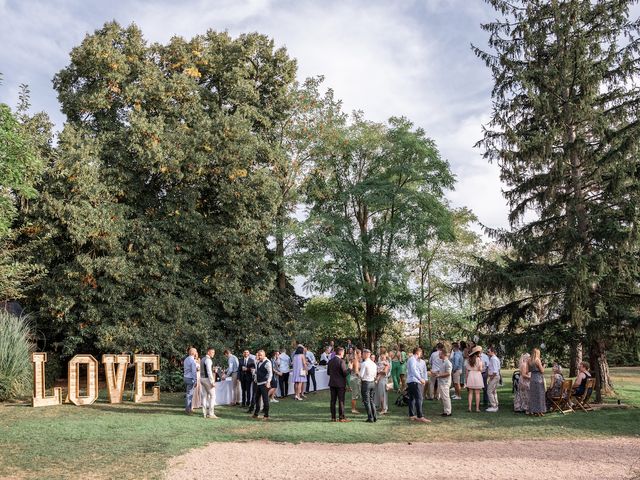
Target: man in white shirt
{"points": [[416, 379], [284, 366], [485, 364], [263, 376], [436, 365], [232, 372], [368, 372], [493, 377], [444, 382], [208, 382], [326, 355]]}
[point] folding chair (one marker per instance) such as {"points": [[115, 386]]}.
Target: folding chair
{"points": [[561, 403], [582, 401]]}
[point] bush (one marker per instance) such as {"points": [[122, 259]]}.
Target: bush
{"points": [[170, 376], [15, 359]]}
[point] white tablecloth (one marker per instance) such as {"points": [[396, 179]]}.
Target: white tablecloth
{"points": [[224, 393]]}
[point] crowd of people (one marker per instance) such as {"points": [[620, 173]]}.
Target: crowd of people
{"points": [[258, 381]]}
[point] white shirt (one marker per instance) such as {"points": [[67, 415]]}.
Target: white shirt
{"points": [[284, 363], [368, 371], [311, 358], [494, 365], [434, 360], [325, 357], [445, 368]]}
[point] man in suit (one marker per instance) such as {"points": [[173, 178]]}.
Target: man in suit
{"points": [[246, 367], [263, 376], [337, 371]]}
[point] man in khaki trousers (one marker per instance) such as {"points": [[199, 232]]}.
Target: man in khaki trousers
{"points": [[444, 381], [493, 378]]}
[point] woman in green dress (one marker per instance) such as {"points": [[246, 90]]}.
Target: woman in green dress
{"points": [[403, 368], [394, 356]]}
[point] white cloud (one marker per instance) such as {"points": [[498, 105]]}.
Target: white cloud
{"points": [[386, 58]]}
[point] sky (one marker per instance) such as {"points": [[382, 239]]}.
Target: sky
{"points": [[386, 58]]}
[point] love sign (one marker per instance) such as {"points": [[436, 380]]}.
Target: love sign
{"points": [[115, 368]]}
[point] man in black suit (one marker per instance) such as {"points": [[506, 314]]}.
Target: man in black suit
{"points": [[337, 371], [245, 368]]}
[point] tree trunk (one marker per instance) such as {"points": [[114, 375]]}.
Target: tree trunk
{"points": [[281, 275], [575, 357], [372, 327], [600, 369]]}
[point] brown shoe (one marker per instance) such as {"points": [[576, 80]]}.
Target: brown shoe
{"points": [[344, 420]]}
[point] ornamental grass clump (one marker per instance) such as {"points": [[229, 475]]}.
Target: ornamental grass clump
{"points": [[15, 360]]}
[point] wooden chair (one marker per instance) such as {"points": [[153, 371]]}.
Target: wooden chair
{"points": [[582, 401], [561, 403]]}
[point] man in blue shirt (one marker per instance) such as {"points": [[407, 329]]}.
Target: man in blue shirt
{"points": [[456, 363], [416, 379], [190, 378], [233, 365]]}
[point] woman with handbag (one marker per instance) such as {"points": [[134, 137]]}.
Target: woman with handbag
{"points": [[299, 372]]}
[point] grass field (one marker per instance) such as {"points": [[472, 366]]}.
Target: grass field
{"points": [[135, 441]]}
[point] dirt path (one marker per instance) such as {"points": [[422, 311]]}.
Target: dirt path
{"points": [[615, 458]]}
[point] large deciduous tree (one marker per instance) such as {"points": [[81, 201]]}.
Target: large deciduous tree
{"points": [[156, 212], [373, 190], [565, 133]]}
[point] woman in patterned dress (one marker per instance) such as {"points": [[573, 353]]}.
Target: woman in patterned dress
{"points": [[521, 399], [537, 400]]}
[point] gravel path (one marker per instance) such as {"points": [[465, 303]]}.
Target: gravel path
{"points": [[614, 458]]}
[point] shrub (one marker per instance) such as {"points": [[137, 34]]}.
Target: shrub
{"points": [[170, 376], [15, 362]]}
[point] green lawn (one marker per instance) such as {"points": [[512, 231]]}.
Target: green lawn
{"points": [[135, 441]]}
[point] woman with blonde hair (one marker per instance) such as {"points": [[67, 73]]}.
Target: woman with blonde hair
{"points": [[384, 369], [474, 381], [537, 400], [197, 395], [521, 399]]}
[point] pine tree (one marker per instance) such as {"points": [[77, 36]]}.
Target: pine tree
{"points": [[565, 133]]}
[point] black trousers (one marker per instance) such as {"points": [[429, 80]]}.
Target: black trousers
{"points": [[368, 391], [337, 393], [311, 375], [262, 396], [284, 384], [415, 399], [245, 385], [485, 396]]}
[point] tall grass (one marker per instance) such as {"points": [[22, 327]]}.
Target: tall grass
{"points": [[15, 361]]}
